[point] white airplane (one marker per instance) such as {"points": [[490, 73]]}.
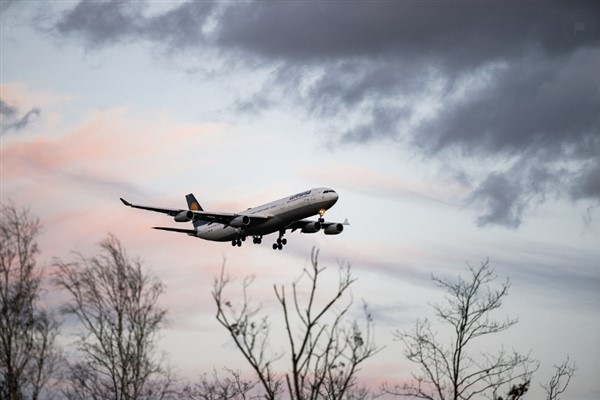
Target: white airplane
{"points": [[277, 216]]}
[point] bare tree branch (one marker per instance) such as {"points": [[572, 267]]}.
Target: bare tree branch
{"points": [[326, 349], [563, 374], [452, 372], [232, 387], [249, 333], [28, 355], [116, 304]]}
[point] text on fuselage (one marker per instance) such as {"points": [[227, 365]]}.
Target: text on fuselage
{"points": [[299, 195]]}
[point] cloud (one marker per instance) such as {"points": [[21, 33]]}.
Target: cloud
{"points": [[100, 23], [75, 159], [514, 83], [567, 274], [105, 23], [11, 118], [6, 4], [500, 195]]}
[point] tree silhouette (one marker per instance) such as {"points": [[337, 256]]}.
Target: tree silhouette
{"points": [[28, 355], [116, 303], [452, 371], [563, 374], [326, 349], [231, 387]]}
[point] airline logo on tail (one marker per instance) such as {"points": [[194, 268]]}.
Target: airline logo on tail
{"points": [[194, 206]]}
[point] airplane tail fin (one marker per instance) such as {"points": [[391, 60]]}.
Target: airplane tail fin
{"points": [[194, 206]]}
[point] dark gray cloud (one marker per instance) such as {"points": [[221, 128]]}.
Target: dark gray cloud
{"points": [[11, 118], [457, 34], [502, 199], [6, 4], [513, 81], [6, 110], [586, 183], [102, 23]]}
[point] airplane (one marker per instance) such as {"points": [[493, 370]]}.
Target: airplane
{"points": [[279, 216]]}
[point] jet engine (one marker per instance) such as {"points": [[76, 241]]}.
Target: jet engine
{"points": [[312, 227], [184, 216], [334, 229], [240, 221]]}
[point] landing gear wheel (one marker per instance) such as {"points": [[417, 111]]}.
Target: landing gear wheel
{"points": [[236, 242], [275, 246], [283, 242], [280, 246]]}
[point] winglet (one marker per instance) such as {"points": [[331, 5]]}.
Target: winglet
{"points": [[345, 222], [125, 202]]}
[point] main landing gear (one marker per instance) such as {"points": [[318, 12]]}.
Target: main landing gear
{"points": [[281, 241], [256, 239], [238, 242]]}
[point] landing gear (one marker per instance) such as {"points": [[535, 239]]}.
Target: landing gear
{"points": [[257, 239], [321, 213], [281, 241], [238, 242]]}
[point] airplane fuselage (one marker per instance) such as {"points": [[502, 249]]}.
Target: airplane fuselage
{"points": [[283, 211]]}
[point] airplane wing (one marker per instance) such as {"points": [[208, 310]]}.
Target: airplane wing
{"points": [[169, 211], [327, 224], [188, 215], [308, 226], [191, 232], [300, 224]]}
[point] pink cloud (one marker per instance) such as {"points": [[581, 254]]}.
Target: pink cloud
{"points": [[107, 144], [21, 95]]}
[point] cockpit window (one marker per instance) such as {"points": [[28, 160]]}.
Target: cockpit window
{"points": [[328, 191]]}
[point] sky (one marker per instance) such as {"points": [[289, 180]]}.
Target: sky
{"points": [[453, 132]]}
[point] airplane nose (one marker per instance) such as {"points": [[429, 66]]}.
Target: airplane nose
{"points": [[334, 197]]}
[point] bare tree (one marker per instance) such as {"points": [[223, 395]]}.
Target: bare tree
{"points": [[452, 371], [116, 304], [232, 387], [28, 355], [326, 348], [563, 374]]}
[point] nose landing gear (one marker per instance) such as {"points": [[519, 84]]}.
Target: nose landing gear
{"points": [[321, 214]]}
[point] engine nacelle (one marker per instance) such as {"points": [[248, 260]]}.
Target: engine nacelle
{"points": [[240, 221], [184, 216], [333, 229], [312, 227]]}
